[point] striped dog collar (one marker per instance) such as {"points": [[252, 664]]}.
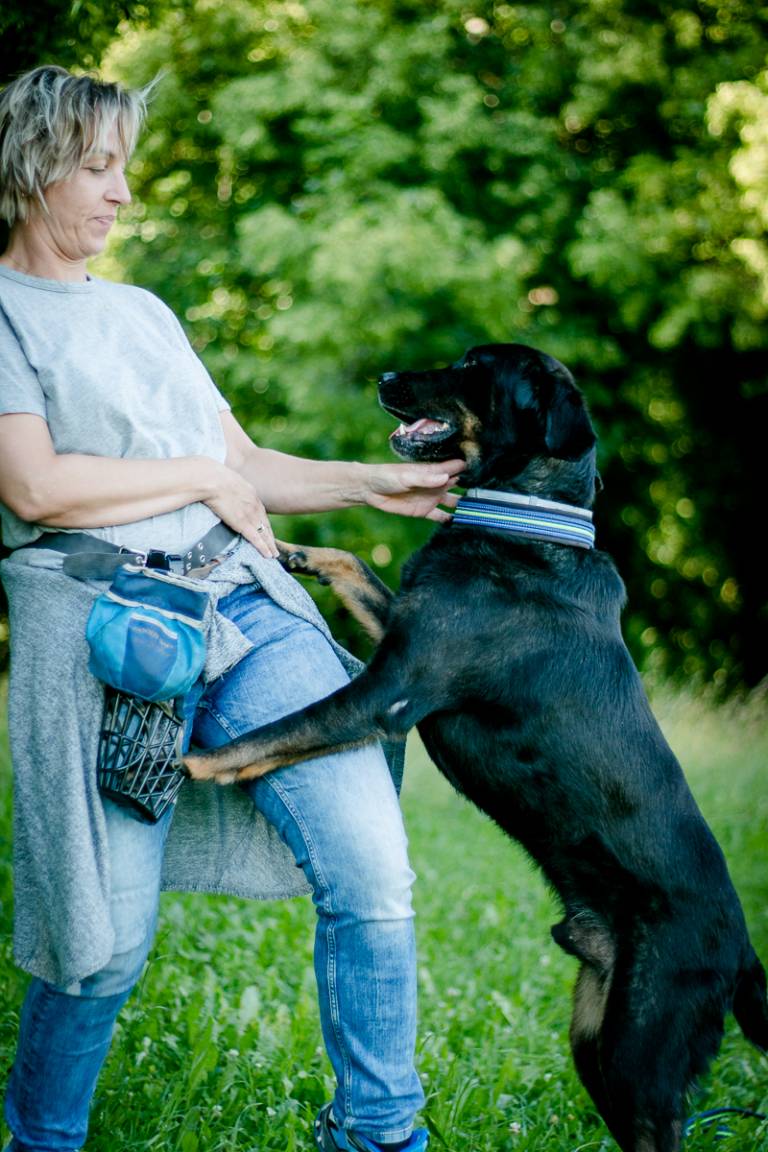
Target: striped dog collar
{"points": [[527, 516]]}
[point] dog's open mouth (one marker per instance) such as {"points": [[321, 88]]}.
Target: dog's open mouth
{"points": [[422, 431], [426, 438]]}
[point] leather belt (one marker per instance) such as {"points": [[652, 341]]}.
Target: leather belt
{"points": [[89, 557]]}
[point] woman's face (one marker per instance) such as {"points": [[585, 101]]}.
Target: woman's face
{"points": [[83, 208]]}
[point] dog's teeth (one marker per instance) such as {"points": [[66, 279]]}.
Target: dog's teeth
{"points": [[424, 425]]}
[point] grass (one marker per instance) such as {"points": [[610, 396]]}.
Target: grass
{"points": [[220, 1049]]}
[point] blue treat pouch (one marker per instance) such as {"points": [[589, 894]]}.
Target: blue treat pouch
{"points": [[147, 635]]}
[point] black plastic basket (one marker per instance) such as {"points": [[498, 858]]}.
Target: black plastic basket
{"points": [[139, 764]]}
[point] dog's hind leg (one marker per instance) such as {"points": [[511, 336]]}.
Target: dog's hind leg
{"points": [[586, 936], [590, 997], [350, 578], [657, 1036], [641, 1116]]}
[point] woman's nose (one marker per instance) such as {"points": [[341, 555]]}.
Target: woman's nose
{"points": [[119, 192]]}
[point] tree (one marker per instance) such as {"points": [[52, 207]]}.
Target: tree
{"points": [[329, 190], [66, 32]]}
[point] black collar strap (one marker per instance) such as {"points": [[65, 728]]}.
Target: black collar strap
{"points": [[527, 516]]}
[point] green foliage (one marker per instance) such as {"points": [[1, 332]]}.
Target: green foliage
{"points": [[744, 106], [219, 1050], [331, 190], [72, 33]]}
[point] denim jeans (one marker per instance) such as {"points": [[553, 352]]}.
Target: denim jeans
{"points": [[340, 817]]}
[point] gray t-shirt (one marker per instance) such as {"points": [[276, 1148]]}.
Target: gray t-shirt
{"points": [[109, 368]]}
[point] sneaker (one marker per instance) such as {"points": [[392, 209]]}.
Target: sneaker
{"points": [[330, 1138]]}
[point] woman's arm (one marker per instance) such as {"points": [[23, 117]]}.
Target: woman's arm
{"points": [[71, 490], [291, 484]]}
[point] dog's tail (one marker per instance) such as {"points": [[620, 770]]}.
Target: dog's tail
{"points": [[750, 1003]]}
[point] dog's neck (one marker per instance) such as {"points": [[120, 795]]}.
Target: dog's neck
{"points": [[527, 516], [550, 478], [521, 508]]}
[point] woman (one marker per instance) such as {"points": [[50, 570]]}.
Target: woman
{"points": [[111, 431]]}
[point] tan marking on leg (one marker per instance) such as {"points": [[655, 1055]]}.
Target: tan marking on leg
{"points": [[589, 1001], [365, 596]]}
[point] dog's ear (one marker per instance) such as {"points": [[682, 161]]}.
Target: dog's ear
{"points": [[568, 430], [543, 401]]}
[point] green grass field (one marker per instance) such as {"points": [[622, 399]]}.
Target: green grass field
{"points": [[220, 1048]]}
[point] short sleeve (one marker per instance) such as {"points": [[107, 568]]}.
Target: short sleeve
{"points": [[20, 389], [222, 404]]}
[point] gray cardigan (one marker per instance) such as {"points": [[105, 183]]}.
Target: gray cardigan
{"points": [[218, 842]]}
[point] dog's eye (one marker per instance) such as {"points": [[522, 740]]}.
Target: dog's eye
{"points": [[469, 364]]}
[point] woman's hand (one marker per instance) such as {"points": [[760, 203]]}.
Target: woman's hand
{"points": [[236, 502], [413, 489]]}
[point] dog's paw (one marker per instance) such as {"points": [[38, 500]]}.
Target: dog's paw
{"points": [[292, 558], [298, 560], [197, 766]]}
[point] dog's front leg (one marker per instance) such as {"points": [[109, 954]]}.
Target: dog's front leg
{"points": [[353, 715], [355, 584]]}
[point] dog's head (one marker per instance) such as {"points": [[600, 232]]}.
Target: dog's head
{"points": [[499, 407]]}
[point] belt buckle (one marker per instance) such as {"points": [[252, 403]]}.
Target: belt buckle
{"points": [[155, 558], [161, 561], [158, 559]]}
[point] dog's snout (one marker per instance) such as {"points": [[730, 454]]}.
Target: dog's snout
{"points": [[387, 377]]}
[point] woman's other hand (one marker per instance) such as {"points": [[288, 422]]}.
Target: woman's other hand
{"points": [[236, 502], [72, 490]]}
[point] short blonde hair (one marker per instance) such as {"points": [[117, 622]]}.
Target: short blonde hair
{"points": [[50, 121]]}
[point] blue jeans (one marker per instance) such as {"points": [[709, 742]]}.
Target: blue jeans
{"points": [[341, 818]]}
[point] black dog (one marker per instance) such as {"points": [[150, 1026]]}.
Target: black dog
{"points": [[504, 647]]}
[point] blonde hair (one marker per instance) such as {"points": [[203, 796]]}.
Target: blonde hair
{"points": [[50, 121]]}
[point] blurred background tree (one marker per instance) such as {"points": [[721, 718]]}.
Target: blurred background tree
{"points": [[328, 189], [60, 32]]}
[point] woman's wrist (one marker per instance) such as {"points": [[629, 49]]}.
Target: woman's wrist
{"points": [[210, 476], [356, 487]]}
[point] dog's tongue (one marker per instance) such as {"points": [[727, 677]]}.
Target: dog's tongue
{"points": [[424, 425]]}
